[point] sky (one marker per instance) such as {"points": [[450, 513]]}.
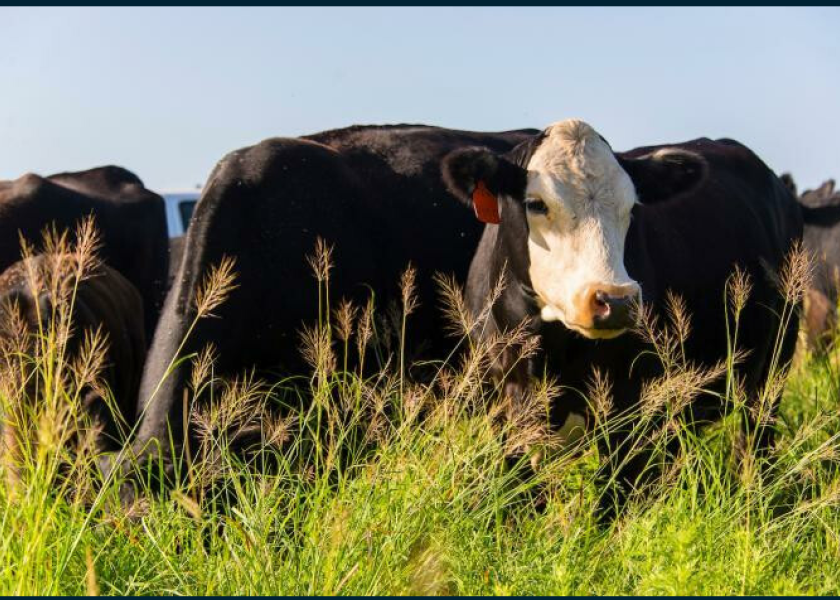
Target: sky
{"points": [[167, 92]]}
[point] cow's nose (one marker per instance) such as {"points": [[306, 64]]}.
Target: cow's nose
{"points": [[613, 311]]}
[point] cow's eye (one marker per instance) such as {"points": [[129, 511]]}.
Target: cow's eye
{"points": [[535, 206]]}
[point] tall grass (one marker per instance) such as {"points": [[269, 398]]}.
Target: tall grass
{"points": [[368, 482]]}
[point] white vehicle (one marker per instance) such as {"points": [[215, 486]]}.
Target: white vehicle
{"points": [[179, 208]]}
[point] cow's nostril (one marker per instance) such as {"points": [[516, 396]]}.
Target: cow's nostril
{"points": [[612, 312], [601, 298], [601, 304]]}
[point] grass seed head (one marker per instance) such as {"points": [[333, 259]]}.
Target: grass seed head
{"points": [[344, 315], [364, 330], [217, 285], [317, 350], [459, 320], [678, 315], [600, 394], [738, 289], [408, 290], [202, 366], [796, 273], [321, 261]]}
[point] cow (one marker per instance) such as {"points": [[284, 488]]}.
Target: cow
{"points": [[821, 213], [130, 218], [581, 234], [373, 193], [104, 301]]}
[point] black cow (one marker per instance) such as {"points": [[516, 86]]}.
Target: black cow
{"points": [[130, 219], [373, 192], [104, 300], [583, 231], [821, 213]]}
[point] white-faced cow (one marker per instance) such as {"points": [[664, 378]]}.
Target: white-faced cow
{"points": [[581, 232]]}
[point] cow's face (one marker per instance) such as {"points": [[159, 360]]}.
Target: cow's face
{"points": [[577, 204], [575, 199]]}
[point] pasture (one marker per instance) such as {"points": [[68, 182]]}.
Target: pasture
{"points": [[374, 484]]}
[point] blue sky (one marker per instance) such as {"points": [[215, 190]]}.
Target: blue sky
{"points": [[167, 92]]}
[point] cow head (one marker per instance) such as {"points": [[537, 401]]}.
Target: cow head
{"points": [[564, 200]]}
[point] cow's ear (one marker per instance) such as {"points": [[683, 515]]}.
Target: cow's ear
{"points": [[826, 190], [478, 177], [789, 183], [665, 173]]}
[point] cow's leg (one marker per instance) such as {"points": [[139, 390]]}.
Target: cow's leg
{"points": [[621, 469], [514, 376], [631, 466], [636, 454]]}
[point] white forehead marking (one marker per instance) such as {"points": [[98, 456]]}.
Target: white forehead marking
{"points": [[574, 156], [563, 146]]}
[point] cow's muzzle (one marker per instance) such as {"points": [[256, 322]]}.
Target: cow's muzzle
{"points": [[614, 309]]}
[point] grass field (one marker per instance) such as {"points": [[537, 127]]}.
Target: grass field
{"points": [[380, 486]]}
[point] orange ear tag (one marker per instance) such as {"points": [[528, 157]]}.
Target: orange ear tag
{"points": [[485, 204]]}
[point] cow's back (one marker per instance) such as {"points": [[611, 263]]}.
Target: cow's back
{"points": [[407, 206], [130, 220]]}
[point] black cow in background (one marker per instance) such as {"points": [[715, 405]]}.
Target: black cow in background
{"points": [[373, 192], [130, 219], [584, 230], [104, 300], [821, 212]]}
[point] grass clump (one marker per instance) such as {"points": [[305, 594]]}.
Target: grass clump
{"points": [[373, 484]]}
